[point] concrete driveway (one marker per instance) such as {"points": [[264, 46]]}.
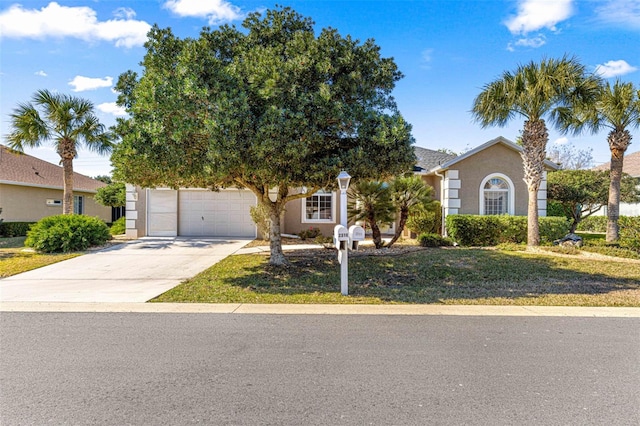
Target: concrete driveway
{"points": [[135, 271]]}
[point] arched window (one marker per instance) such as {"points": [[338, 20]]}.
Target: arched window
{"points": [[496, 195]]}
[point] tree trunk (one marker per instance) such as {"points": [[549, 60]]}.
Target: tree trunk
{"points": [[534, 142], [275, 238], [404, 214], [67, 153], [619, 141], [375, 232]]}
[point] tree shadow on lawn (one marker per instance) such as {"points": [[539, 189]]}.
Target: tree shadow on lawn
{"points": [[447, 276]]}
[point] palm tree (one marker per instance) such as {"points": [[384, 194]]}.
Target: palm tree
{"points": [[618, 109], [371, 203], [551, 89], [67, 121], [406, 194]]}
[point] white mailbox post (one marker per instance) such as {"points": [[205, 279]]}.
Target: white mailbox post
{"points": [[341, 240]]}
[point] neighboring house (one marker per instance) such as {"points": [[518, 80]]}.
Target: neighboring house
{"points": [[631, 166], [31, 189], [485, 180]]}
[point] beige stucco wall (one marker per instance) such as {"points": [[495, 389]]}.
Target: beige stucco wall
{"points": [[29, 204], [292, 222], [495, 159]]}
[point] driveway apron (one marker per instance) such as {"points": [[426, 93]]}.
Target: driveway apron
{"points": [[135, 271]]}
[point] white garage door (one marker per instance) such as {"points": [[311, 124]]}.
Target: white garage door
{"points": [[162, 213], [216, 214]]}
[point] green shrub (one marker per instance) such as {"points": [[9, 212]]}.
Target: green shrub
{"points": [[14, 229], [475, 230], [434, 240], [593, 224], [630, 231], [119, 227], [64, 233], [425, 220], [310, 233]]}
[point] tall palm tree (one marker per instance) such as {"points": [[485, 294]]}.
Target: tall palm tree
{"points": [[618, 109], [68, 122], [551, 89]]}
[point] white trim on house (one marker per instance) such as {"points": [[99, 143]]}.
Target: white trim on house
{"points": [[451, 187], [303, 208], [511, 193]]}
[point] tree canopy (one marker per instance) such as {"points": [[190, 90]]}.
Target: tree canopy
{"points": [[581, 193], [271, 107]]}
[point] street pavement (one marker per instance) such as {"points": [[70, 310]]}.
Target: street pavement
{"points": [[226, 369]]}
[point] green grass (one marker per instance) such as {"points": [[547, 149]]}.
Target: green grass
{"points": [[14, 259], [428, 276]]}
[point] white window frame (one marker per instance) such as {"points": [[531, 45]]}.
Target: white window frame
{"points": [[511, 208], [333, 208], [78, 204]]}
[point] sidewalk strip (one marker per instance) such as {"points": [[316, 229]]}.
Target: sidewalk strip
{"points": [[301, 309]]}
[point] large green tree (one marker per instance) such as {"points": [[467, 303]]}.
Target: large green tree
{"points": [[582, 193], [617, 109], [67, 121], [273, 108], [550, 90]]}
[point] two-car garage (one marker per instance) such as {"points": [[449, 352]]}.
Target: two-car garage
{"points": [[200, 213]]}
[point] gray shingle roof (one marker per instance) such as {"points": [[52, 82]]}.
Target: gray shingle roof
{"points": [[630, 164], [23, 169], [428, 159]]}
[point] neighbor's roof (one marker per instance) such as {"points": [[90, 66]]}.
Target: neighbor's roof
{"points": [[630, 164], [499, 140], [22, 169]]}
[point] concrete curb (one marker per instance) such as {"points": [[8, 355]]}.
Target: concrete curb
{"points": [[294, 309]]}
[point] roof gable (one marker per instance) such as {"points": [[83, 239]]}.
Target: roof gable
{"points": [[630, 164], [499, 140], [23, 169]]}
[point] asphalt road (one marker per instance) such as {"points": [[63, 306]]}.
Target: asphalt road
{"points": [[220, 369]]}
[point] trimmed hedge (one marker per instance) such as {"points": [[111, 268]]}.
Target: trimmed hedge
{"points": [[476, 230], [434, 240], [593, 224], [14, 229], [64, 233], [118, 227]]}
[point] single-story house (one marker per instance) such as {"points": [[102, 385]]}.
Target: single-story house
{"points": [[31, 189], [631, 166], [485, 180]]}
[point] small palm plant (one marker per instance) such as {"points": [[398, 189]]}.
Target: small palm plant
{"points": [[371, 202]]}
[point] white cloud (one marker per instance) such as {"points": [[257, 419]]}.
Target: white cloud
{"points": [[533, 15], [112, 108], [620, 12], [614, 68], [216, 11], [82, 23], [561, 141], [81, 84], [534, 42], [426, 58], [124, 13], [40, 73]]}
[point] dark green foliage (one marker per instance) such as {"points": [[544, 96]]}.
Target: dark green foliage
{"points": [[434, 240], [119, 227], [593, 224], [310, 233], [475, 230], [426, 219], [112, 195], [64, 233], [14, 229]]}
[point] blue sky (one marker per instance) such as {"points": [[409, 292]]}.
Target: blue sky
{"points": [[447, 50]]}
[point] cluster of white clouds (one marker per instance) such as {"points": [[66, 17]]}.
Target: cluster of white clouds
{"points": [[614, 69], [82, 84], [82, 22], [215, 11]]}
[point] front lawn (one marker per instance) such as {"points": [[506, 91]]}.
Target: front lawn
{"points": [[14, 259], [428, 276]]}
